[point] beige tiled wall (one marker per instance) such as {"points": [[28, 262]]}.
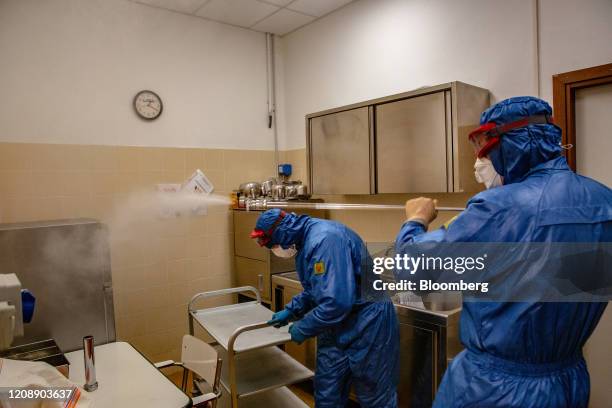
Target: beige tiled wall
{"points": [[157, 264]]}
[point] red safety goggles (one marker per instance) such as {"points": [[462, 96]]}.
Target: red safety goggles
{"points": [[264, 237], [487, 136]]}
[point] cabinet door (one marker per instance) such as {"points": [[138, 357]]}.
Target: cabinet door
{"points": [[417, 386], [340, 146], [411, 145], [244, 245]]}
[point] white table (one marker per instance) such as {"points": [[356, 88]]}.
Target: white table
{"points": [[126, 379]]}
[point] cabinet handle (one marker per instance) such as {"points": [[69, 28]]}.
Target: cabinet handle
{"points": [[260, 282]]}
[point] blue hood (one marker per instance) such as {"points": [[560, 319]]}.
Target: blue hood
{"points": [[288, 232], [524, 148]]}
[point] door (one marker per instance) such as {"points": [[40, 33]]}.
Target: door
{"points": [[411, 145], [593, 145], [593, 128], [340, 146], [417, 386]]}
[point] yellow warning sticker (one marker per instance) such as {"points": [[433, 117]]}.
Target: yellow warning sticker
{"points": [[319, 268]]}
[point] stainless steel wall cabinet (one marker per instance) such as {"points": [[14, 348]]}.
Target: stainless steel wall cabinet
{"points": [[341, 144], [413, 142]]}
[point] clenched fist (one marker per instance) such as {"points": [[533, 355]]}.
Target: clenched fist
{"points": [[422, 210]]}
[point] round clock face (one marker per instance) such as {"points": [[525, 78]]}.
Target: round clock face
{"points": [[148, 105]]}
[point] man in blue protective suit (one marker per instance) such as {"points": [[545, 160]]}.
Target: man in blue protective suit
{"points": [[520, 354], [357, 341]]}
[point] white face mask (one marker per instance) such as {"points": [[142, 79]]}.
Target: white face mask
{"points": [[485, 173], [284, 253]]}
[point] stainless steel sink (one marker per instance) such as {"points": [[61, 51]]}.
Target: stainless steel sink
{"points": [[442, 301]]}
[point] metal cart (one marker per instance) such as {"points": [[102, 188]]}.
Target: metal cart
{"points": [[255, 372]]}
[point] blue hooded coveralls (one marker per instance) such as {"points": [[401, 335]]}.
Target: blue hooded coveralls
{"points": [[357, 341], [524, 354]]}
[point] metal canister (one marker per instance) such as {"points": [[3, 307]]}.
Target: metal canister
{"points": [[242, 200], [291, 191], [279, 192], [251, 189], [267, 187], [302, 191], [91, 384]]}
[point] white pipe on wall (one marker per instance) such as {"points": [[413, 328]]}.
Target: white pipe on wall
{"points": [[536, 47], [271, 82]]}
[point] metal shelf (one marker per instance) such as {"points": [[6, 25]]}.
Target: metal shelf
{"points": [[254, 370], [263, 370], [277, 398], [221, 322]]}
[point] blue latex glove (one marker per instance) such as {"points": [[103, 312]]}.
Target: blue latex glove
{"points": [[281, 318], [296, 335], [28, 302]]}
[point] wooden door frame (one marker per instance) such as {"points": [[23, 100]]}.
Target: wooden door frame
{"points": [[564, 100]]}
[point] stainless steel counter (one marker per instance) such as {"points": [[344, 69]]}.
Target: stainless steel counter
{"points": [[289, 277], [429, 339], [448, 315]]}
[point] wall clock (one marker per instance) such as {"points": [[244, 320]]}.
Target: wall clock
{"points": [[148, 105]]}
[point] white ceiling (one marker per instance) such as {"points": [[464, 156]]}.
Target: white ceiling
{"points": [[274, 16]]}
